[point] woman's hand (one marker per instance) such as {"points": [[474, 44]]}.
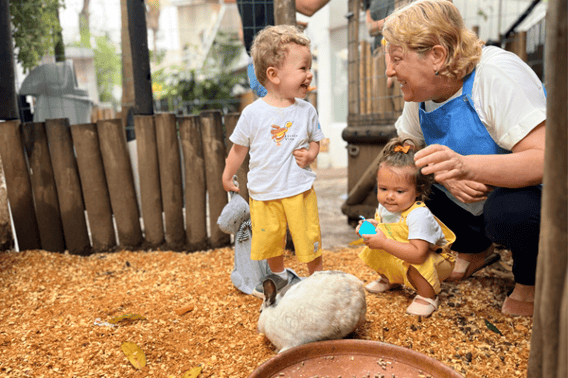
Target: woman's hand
{"points": [[467, 191], [443, 162], [451, 170]]}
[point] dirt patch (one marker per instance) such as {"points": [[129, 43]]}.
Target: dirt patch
{"points": [[52, 302], [54, 307], [331, 190]]}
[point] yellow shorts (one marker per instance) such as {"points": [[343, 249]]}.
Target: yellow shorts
{"points": [[435, 269], [269, 220]]}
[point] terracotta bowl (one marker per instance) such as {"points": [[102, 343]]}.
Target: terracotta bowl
{"points": [[352, 358]]}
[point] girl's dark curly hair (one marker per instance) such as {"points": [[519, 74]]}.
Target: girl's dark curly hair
{"points": [[399, 158]]}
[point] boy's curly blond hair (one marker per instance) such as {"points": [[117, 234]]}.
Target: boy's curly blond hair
{"points": [[270, 46]]}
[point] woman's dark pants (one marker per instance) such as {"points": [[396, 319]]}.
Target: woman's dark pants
{"points": [[511, 218]]}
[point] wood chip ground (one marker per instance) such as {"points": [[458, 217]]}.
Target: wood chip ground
{"points": [[52, 307]]}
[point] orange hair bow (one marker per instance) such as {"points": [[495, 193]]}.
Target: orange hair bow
{"points": [[404, 149]]}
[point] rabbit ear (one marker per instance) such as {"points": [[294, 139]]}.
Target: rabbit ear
{"points": [[269, 292]]}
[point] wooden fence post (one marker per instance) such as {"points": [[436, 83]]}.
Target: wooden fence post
{"points": [[231, 120], [214, 153], [120, 180], [549, 341], [195, 192], [93, 182], [43, 183], [68, 186], [385, 101], [284, 12], [19, 186], [169, 160], [363, 76], [353, 84], [150, 192]]}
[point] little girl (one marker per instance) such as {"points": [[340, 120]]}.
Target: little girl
{"points": [[411, 246]]}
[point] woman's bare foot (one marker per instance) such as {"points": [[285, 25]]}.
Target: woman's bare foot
{"points": [[469, 263], [520, 302]]}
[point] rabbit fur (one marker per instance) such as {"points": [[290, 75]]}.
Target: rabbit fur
{"points": [[328, 305]]}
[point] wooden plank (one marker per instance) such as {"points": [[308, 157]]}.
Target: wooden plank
{"points": [[385, 93], [214, 154], [354, 7], [93, 182], [68, 186], [369, 69], [150, 192], [518, 45], [284, 12], [231, 120], [195, 192], [43, 184], [19, 186], [363, 51], [169, 159], [375, 104], [120, 181], [549, 341]]}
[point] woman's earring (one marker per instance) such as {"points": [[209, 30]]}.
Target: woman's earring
{"points": [[436, 73]]}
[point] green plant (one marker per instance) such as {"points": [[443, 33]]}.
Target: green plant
{"points": [[108, 64], [36, 29], [203, 92], [209, 88]]}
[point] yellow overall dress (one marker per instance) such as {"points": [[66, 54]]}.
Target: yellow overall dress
{"points": [[435, 269]]}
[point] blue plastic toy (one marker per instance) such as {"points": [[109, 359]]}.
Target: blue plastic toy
{"points": [[367, 227]]}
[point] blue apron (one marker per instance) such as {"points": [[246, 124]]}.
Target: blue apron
{"points": [[457, 126]]}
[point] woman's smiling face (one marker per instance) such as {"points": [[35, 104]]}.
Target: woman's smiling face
{"points": [[414, 73]]}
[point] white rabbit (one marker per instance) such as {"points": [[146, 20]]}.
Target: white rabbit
{"points": [[328, 305]]}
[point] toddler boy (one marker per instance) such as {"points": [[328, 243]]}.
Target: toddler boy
{"points": [[282, 134]]}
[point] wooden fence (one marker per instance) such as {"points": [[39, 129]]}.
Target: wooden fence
{"points": [[72, 187]]}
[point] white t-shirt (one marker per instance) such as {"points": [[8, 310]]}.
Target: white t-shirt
{"points": [[507, 95], [421, 224], [272, 134]]}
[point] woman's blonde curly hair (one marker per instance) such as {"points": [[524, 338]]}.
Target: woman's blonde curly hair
{"points": [[424, 24], [270, 47]]}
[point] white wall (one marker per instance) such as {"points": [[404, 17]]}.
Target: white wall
{"points": [[328, 31]]}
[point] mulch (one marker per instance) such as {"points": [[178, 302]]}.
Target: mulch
{"points": [[58, 310]]}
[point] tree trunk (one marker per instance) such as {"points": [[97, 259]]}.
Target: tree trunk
{"points": [[84, 24], [59, 46], [549, 342], [127, 75]]}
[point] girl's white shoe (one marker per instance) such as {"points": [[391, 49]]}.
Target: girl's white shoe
{"points": [[423, 309], [380, 286]]}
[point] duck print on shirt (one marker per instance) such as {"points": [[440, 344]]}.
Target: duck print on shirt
{"points": [[278, 133]]}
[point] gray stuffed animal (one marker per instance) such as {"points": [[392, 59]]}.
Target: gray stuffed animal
{"points": [[235, 219]]}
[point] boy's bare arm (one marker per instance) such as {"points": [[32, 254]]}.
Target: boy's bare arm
{"points": [[236, 157], [306, 157]]}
